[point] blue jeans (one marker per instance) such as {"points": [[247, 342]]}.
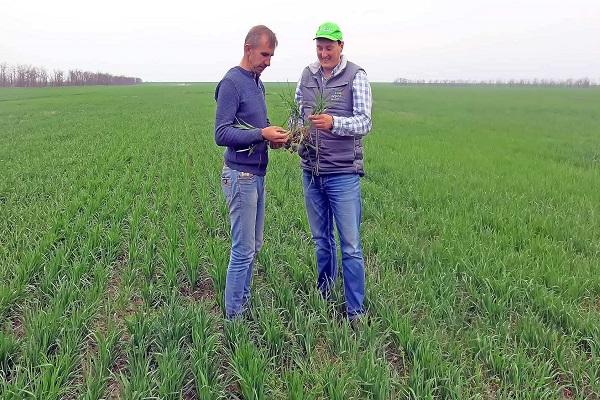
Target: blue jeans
{"points": [[245, 195], [336, 198]]}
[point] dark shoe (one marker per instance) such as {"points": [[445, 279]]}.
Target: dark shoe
{"points": [[357, 322]]}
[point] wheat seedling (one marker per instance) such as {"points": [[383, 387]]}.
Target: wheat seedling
{"points": [[298, 129]]}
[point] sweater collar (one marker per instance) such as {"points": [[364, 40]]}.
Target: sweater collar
{"points": [[249, 74]]}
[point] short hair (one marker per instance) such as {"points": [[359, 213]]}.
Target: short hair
{"points": [[256, 33]]}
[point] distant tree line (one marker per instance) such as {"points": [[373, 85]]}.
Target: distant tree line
{"points": [[29, 76], [583, 82]]}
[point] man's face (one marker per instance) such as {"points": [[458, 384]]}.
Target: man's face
{"points": [[259, 57], [329, 53]]}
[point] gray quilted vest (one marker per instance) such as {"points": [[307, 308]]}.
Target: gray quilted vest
{"points": [[329, 153]]}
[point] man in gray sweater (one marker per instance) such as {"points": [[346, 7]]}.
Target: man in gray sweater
{"points": [[242, 125]]}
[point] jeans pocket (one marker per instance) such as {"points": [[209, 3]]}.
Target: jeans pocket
{"points": [[226, 181], [226, 174]]}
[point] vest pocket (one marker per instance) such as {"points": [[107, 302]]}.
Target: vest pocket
{"points": [[336, 151], [337, 84], [338, 96]]}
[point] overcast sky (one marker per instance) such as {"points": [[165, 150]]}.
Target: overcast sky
{"points": [[176, 40]]}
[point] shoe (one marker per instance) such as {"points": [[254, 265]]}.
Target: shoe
{"points": [[357, 322]]}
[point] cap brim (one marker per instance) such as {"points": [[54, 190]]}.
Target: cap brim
{"points": [[327, 37]]}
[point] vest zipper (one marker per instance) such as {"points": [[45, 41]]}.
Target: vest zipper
{"points": [[321, 90]]}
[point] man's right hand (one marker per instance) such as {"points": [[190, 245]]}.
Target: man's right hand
{"points": [[274, 134]]}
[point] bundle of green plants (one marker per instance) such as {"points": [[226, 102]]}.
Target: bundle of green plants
{"points": [[298, 128]]}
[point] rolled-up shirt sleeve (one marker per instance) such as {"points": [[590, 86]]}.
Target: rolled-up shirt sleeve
{"points": [[298, 100], [359, 124]]}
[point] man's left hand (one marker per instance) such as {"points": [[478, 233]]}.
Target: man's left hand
{"points": [[322, 122]]}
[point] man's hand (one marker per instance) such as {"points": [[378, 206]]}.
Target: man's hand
{"points": [[274, 134], [322, 122]]}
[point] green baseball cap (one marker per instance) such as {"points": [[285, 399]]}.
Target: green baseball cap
{"points": [[329, 30]]}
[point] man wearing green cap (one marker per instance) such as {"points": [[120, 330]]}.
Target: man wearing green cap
{"points": [[332, 162]]}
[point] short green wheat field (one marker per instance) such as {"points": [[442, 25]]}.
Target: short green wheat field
{"points": [[481, 236]]}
